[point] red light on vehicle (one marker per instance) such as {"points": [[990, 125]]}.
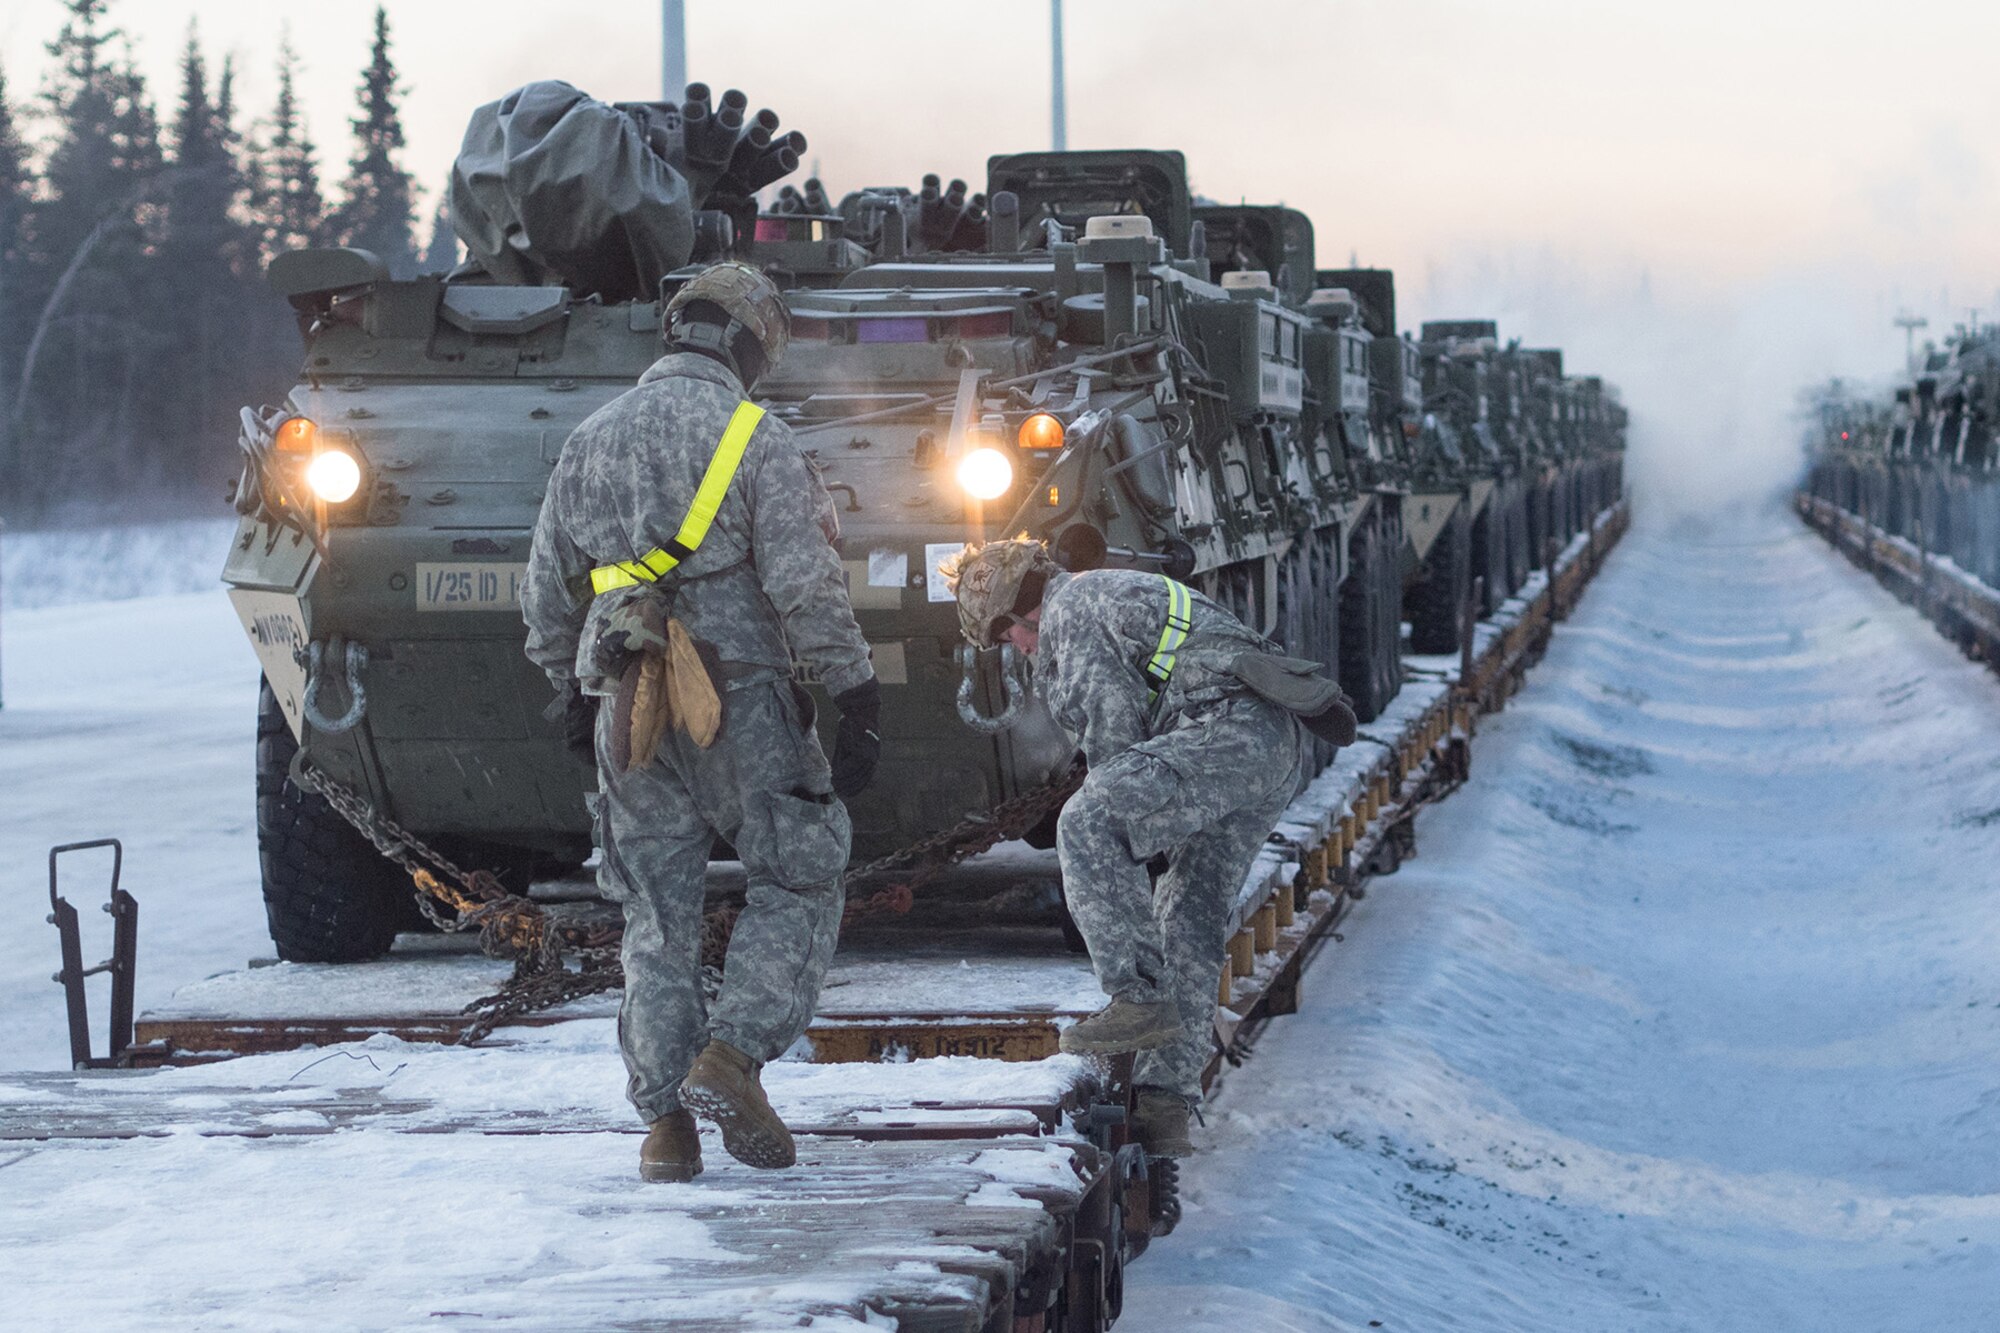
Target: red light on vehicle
{"points": [[1843, 435]]}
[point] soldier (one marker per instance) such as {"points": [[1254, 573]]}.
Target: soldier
{"points": [[683, 560], [1191, 727]]}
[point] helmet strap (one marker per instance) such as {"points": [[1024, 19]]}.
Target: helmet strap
{"points": [[1029, 595], [730, 343]]}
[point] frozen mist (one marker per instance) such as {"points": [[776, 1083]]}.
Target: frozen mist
{"points": [[1684, 1018]]}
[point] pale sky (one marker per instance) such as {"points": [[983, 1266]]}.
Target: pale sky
{"points": [[1709, 200]]}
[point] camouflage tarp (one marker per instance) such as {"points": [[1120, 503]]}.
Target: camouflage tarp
{"points": [[552, 186]]}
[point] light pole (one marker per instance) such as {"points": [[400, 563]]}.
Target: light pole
{"points": [[1058, 112], [673, 50], [1909, 324]]}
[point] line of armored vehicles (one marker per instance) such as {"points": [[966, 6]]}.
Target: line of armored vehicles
{"points": [[1083, 351], [1919, 461]]}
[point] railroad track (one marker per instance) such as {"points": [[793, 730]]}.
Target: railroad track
{"points": [[954, 1171], [1965, 609]]}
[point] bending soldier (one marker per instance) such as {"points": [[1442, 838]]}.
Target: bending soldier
{"points": [[682, 561], [1190, 725]]}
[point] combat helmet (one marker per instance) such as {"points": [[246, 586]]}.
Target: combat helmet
{"points": [[750, 300], [989, 581]]}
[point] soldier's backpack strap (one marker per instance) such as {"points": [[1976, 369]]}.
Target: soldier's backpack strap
{"points": [[1180, 620], [649, 567]]}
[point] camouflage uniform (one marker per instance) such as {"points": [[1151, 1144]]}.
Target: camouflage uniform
{"points": [[1201, 775], [764, 586]]}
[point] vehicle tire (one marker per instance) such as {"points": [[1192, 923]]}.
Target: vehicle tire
{"points": [[1519, 563], [329, 896], [1437, 602], [1389, 640], [1361, 616], [1489, 555]]}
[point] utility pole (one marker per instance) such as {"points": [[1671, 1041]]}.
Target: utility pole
{"points": [[1909, 324], [673, 50], [1058, 110]]}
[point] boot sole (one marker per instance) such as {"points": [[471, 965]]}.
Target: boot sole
{"points": [[1070, 1044], [743, 1138]]}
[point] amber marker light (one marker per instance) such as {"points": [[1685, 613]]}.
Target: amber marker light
{"points": [[296, 435], [1040, 431], [986, 474]]}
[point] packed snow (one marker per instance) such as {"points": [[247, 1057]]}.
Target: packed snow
{"points": [[1683, 1019]]}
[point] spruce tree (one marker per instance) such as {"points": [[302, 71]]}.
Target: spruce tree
{"points": [[441, 255], [85, 388], [291, 213], [15, 199], [202, 250], [376, 210]]}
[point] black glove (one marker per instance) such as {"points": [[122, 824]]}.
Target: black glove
{"points": [[857, 741], [579, 725]]}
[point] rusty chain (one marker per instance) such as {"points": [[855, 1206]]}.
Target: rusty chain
{"points": [[514, 926]]}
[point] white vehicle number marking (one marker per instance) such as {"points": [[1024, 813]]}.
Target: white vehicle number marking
{"points": [[470, 587]]}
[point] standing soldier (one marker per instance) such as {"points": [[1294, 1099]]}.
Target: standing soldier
{"points": [[683, 560], [1190, 724]]}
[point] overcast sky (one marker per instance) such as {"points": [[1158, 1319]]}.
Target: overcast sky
{"points": [[1709, 200]]}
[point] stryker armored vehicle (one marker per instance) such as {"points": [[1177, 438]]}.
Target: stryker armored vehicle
{"points": [[1065, 356], [1538, 453]]}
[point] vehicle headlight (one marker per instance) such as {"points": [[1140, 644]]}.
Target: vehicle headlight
{"points": [[334, 475], [985, 474]]}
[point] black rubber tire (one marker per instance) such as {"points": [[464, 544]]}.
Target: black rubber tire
{"points": [[1436, 603], [1361, 617], [329, 896], [1519, 562], [1389, 642], [1489, 555]]}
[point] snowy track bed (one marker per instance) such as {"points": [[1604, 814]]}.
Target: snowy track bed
{"points": [[1685, 1018], [345, 1169]]}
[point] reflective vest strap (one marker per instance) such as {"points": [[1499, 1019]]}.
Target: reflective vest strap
{"points": [[1180, 621], [700, 516], [715, 482]]}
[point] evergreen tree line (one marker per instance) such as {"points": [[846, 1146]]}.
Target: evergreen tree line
{"points": [[134, 321]]}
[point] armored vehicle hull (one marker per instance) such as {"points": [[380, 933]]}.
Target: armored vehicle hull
{"points": [[1091, 376]]}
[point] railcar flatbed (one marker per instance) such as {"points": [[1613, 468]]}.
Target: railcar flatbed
{"points": [[992, 1189]]}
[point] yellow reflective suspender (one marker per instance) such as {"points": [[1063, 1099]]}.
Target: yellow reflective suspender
{"points": [[700, 516], [1180, 620]]}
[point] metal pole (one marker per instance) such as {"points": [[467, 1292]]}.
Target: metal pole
{"points": [[3, 581], [673, 50], [1058, 110]]}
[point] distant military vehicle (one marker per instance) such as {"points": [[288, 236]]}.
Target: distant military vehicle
{"points": [[1077, 352], [1922, 462]]}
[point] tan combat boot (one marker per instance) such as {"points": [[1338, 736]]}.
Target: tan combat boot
{"points": [[672, 1151], [722, 1086], [1160, 1123], [1123, 1025]]}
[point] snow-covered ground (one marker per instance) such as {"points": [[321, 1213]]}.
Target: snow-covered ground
{"points": [[1686, 1017], [132, 719]]}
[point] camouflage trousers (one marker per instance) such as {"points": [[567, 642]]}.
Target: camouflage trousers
{"points": [[1206, 794], [765, 786]]}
